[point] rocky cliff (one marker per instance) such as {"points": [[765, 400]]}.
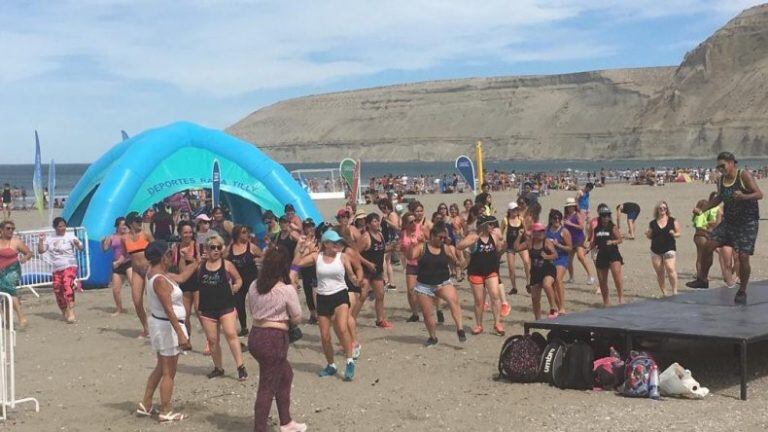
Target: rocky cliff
{"points": [[716, 99]]}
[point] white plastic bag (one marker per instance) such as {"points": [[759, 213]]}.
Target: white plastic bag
{"points": [[677, 381]]}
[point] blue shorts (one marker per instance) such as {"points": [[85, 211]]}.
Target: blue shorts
{"points": [[633, 215], [429, 290]]}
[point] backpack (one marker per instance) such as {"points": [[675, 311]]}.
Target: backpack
{"points": [[520, 356], [551, 363], [608, 372], [576, 369], [637, 375]]}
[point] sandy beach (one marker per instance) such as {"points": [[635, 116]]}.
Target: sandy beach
{"points": [[89, 376]]}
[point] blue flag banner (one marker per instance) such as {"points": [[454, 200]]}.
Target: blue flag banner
{"points": [[37, 178], [51, 190], [216, 179], [466, 168]]}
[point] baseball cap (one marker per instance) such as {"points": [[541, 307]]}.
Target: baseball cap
{"points": [[512, 205], [603, 209], [538, 226], [342, 213], [156, 250], [289, 207], [202, 217], [330, 236]]}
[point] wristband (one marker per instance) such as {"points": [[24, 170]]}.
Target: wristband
{"points": [[295, 268]]}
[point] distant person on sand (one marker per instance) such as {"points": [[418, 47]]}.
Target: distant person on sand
{"points": [[632, 210], [739, 192], [121, 261], [606, 240], [574, 223], [134, 243], [582, 197], [10, 265], [7, 202]]}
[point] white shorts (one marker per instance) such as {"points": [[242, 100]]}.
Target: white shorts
{"points": [[666, 255], [163, 337], [429, 290]]}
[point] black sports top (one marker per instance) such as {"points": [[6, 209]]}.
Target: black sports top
{"points": [[215, 290], [483, 259], [245, 265], [375, 253], [433, 269], [287, 242], [602, 235], [662, 241]]}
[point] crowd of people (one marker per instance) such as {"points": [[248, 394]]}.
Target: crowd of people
{"points": [[206, 266]]}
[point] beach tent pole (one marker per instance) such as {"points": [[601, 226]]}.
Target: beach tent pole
{"points": [[479, 157]]}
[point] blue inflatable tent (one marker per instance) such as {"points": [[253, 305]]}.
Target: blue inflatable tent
{"points": [[158, 163]]}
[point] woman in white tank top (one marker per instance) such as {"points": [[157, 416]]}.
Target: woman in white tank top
{"points": [[332, 299], [166, 328]]}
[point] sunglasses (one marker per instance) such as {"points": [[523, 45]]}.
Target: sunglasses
{"points": [[215, 247], [720, 166], [662, 208], [10, 228]]}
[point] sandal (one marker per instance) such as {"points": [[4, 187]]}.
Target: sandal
{"points": [[498, 329], [171, 417], [476, 330], [142, 411]]}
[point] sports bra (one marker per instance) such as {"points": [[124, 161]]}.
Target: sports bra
{"points": [[138, 245]]}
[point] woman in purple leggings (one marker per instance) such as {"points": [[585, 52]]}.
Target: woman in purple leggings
{"points": [[274, 305]]}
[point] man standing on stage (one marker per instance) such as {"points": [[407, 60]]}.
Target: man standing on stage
{"points": [[739, 192]]}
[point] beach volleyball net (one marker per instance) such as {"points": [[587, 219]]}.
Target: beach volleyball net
{"points": [[38, 272], [7, 359], [325, 183]]}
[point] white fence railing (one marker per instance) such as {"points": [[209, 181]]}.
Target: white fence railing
{"points": [[38, 271], [7, 359]]}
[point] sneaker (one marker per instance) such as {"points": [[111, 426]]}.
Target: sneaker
{"points": [[552, 314], [697, 284], [329, 370], [241, 373], [741, 297], [294, 427], [384, 324], [505, 309], [215, 373], [431, 342], [513, 291], [732, 285], [462, 335], [440, 317], [312, 320], [356, 351], [570, 281], [591, 280], [391, 287], [243, 332], [413, 318], [349, 371]]}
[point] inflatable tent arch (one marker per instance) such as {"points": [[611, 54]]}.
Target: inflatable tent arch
{"points": [[158, 163]]}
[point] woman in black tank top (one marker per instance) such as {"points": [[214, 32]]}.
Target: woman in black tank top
{"points": [[486, 245], [373, 248], [607, 237], [662, 231], [543, 272], [514, 229], [217, 305], [434, 279], [243, 254], [184, 254]]}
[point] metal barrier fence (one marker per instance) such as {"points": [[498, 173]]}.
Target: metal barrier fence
{"points": [[7, 359], [38, 271]]}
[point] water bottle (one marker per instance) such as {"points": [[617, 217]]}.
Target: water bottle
{"points": [[653, 384]]}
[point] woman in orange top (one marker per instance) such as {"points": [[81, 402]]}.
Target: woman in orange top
{"points": [[134, 243]]}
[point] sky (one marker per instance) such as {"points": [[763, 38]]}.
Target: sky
{"points": [[80, 71]]}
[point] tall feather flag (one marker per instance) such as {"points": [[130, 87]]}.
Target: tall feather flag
{"points": [[37, 178], [216, 187], [51, 190]]}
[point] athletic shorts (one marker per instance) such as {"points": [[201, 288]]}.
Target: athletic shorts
{"points": [[378, 275], [605, 258], [411, 269], [538, 275], [633, 215], [741, 237], [352, 287], [480, 279], [429, 290], [666, 255], [163, 337], [327, 304], [122, 268], [217, 315]]}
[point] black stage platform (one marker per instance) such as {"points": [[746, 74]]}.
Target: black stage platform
{"points": [[702, 314]]}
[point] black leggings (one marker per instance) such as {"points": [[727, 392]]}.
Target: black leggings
{"points": [[240, 304], [309, 282]]}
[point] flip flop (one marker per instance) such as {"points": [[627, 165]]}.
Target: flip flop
{"points": [[171, 417], [476, 330], [142, 411]]}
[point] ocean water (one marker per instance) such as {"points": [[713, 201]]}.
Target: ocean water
{"points": [[67, 175]]}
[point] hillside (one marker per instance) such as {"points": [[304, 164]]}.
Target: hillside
{"points": [[717, 98]]}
